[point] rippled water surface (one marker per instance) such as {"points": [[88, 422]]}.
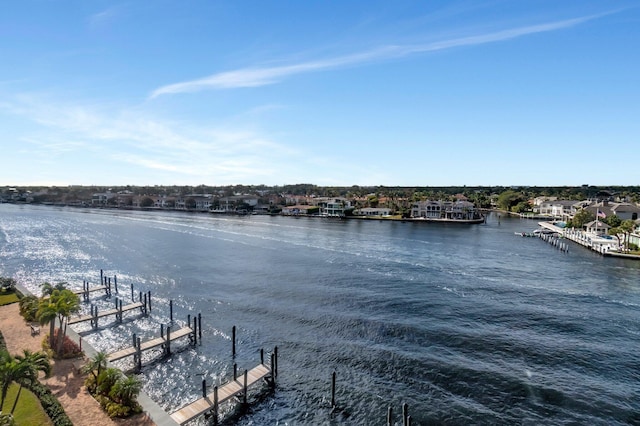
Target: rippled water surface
{"points": [[465, 324]]}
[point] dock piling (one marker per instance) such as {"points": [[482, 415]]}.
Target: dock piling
{"points": [[133, 296], [233, 341], [390, 416], [244, 398], [200, 327], [204, 388], [405, 414], [195, 331], [171, 310], [168, 346], [139, 354], [115, 283], [149, 292], [333, 389], [235, 371]]}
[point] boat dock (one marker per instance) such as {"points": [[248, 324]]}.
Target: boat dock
{"points": [[238, 386], [94, 316]]}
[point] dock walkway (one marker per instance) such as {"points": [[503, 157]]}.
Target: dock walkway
{"points": [[224, 393], [238, 386], [149, 344], [95, 315]]}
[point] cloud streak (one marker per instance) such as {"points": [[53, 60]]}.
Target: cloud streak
{"points": [[255, 77]]}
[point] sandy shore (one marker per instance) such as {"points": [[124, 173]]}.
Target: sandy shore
{"points": [[66, 383]]}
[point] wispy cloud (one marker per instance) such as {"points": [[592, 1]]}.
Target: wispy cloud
{"points": [[254, 77], [103, 18], [126, 140]]}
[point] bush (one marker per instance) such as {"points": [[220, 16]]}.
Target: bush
{"points": [[28, 308], [115, 392], [7, 284], [50, 404], [70, 349], [6, 420], [633, 247]]}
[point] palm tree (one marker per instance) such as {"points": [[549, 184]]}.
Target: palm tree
{"points": [[126, 391], [95, 366], [30, 364], [107, 379], [7, 373], [60, 305], [47, 288]]}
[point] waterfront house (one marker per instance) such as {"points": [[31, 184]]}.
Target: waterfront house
{"points": [[597, 227], [429, 209], [299, 209], [558, 208], [333, 206], [372, 211], [624, 211]]}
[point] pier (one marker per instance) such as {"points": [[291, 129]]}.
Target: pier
{"points": [[94, 316], [163, 342], [600, 245], [87, 289], [238, 386]]}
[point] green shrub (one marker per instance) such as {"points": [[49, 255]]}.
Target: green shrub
{"points": [[7, 284], [50, 404], [29, 307], [6, 420]]}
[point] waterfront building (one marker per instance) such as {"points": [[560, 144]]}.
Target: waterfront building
{"points": [[429, 209]]}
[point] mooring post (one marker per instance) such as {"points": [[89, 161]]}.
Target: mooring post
{"points": [[235, 371], [171, 310], [149, 300], [195, 331], [333, 389], [109, 287], [101, 277], [390, 416], [80, 342], [275, 350], [215, 404], [244, 399], [261, 356], [200, 327], [273, 376], [116, 302], [162, 330], [144, 305], [134, 340], [140, 296], [120, 308], [189, 320], [139, 352], [133, 296], [168, 347], [115, 282], [95, 317], [408, 420], [204, 388], [405, 413], [233, 341]]}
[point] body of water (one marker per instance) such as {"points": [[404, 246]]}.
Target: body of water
{"points": [[467, 324]]}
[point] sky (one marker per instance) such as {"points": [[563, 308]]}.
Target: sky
{"points": [[333, 93]]}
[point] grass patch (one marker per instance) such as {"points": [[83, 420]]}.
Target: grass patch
{"points": [[8, 298], [28, 411]]}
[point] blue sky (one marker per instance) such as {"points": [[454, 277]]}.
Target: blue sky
{"points": [[336, 93]]}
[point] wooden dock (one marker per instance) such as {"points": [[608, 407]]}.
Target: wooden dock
{"points": [[238, 386], [94, 316], [149, 344], [164, 341]]}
